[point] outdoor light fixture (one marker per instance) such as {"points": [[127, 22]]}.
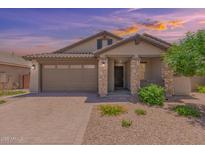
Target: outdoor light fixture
{"points": [[103, 64], [33, 67]]}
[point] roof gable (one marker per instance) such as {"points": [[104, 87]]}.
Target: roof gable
{"points": [[137, 38], [102, 33]]}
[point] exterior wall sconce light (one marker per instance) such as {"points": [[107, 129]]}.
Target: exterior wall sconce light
{"points": [[33, 67], [103, 64]]}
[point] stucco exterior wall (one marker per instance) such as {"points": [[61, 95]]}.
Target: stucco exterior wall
{"points": [[14, 76], [186, 85], [130, 48], [182, 85], [35, 77], [88, 46], [196, 81], [153, 70]]}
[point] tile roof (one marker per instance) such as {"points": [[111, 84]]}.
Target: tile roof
{"points": [[72, 54], [58, 55], [12, 59]]}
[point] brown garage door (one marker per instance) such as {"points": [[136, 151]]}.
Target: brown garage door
{"points": [[71, 77]]}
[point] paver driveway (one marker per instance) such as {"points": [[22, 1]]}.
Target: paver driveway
{"points": [[44, 119]]}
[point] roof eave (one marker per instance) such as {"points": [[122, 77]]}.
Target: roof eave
{"points": [[162, 45], [61, 56]]}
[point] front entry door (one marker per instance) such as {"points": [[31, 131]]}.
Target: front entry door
{"points": [[119, 77]]}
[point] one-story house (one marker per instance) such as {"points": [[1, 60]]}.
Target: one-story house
{"points": [[14, 72], [103, 63]]}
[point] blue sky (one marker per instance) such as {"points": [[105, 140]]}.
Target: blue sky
{"points": [[27, 31]]}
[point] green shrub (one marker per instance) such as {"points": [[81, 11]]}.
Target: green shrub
{"points": [[152, 95], [2, 101], [140, 111], [187, 110], [112, 110], [201, 89], [126, 123], [11, 92]]}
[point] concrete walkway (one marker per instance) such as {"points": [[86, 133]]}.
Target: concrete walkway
{"points": [[44, 119]]}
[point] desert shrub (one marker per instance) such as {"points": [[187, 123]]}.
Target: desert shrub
{"points": [[126, 123], [112, 110], [2, 101], [152, 95], [187, 56], [187, 110], [201, 89], [140, 111]]}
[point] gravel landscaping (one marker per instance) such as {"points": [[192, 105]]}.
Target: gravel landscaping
{"points": [[158, 126]]}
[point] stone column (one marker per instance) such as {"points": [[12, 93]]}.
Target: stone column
{"points": [[168, 77], [134, 75], [103, 76], [35, 77], [111, 79]]}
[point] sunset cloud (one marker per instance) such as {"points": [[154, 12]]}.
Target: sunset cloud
{"points": [[126, 31], [202, 22], [149, 25]]}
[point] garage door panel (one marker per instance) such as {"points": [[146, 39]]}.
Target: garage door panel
{"points": [[74, 75], [69, 79]]}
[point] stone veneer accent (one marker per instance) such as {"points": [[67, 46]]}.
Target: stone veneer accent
{"points": [[103, 76], [134, 75], [168, 76]]}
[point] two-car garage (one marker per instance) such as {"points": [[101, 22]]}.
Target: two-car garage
{"points": [[78, 76]]}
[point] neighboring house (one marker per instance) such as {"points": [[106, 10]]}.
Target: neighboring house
{"points": [[103, 63], [14, 72]]}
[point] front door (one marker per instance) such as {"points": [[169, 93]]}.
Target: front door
{"points": [[119, 77]]}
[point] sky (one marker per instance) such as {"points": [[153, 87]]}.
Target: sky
{"points": [[29, 31]]}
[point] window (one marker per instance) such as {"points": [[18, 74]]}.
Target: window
{"points": [[49, 66], [75, 66], [89, 66], [109, 41], [103, 42], [62, 66], [99, 43]]}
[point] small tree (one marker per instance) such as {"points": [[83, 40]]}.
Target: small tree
{"points": [[188, 57]]}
